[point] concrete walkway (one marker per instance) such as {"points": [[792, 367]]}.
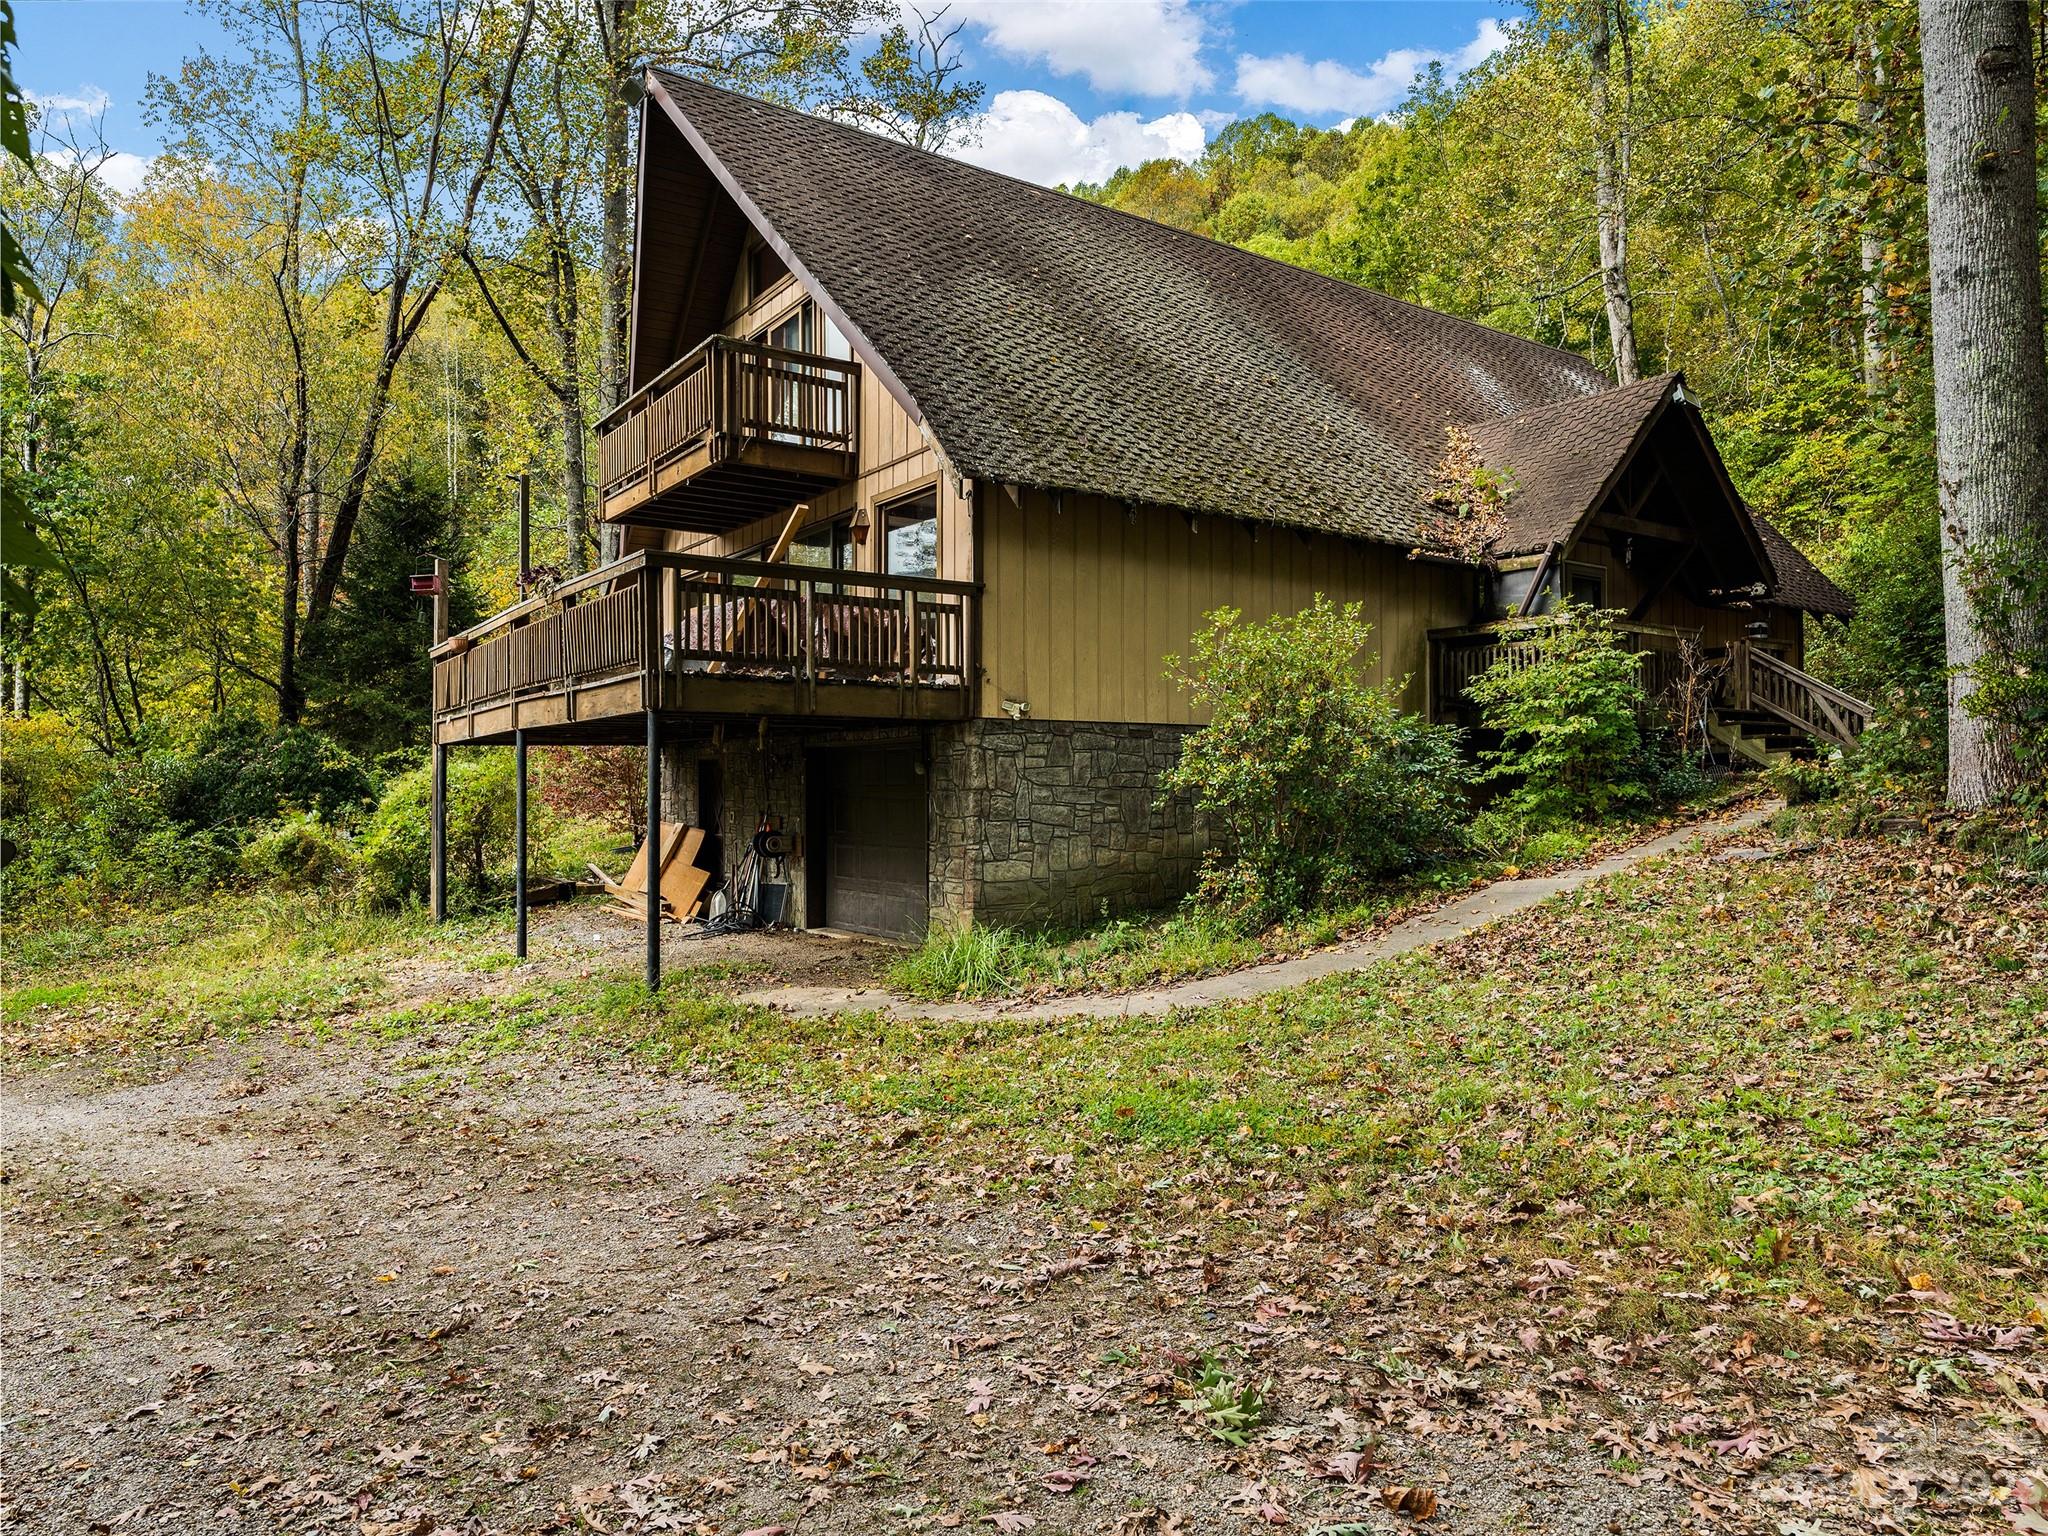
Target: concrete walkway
{"points": [[1486, 905]]}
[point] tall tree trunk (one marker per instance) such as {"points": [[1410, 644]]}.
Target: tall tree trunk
{"points": [[1870, 241], [1610, 183], [566, 311], [575, 470], [618, 21], [620, 170], [1990, 378], [291, 701]]}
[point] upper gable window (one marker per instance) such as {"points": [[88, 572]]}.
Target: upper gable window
{"points": [[764, 271], [805, 329]]}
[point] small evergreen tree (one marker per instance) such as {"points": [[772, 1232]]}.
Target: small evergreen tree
{"points": [[1568, 707], [364, 665]]}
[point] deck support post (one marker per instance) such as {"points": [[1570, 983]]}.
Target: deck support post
{"points": [[437, 862], [519, 844], [653, 891]]}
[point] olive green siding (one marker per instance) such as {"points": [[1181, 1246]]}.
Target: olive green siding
{"points": [[1084, 599]]}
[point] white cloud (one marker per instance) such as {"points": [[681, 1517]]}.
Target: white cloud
{"points": [[89, 100], [1040, 138], [1146, 47], [116, 169], [1324, 86], [124, 172]]}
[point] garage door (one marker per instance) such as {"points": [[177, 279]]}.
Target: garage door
{"points": [[870, 808]]}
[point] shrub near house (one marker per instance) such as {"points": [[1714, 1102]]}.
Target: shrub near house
{"points": [[1569, 709], [1313, 779]]}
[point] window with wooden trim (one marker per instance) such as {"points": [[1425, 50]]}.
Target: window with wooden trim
{"points": [[910, 534], [827, 547], [1585, 585]]}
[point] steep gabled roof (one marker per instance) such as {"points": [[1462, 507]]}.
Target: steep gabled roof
{"points": [[1047, 340], [1566, 457]]}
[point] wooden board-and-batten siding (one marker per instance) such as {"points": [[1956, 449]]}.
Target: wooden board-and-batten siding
{"points": [[1084, 599]]}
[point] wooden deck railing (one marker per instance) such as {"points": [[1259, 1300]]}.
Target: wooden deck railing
{"points": [[1757, 680], [721, 393], [663, 618], [1458, 656]]}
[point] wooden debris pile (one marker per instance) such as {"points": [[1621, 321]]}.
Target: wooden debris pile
{"points": [[679, 884]]}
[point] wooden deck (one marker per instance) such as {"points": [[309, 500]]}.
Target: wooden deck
{"points": [[1458, 656], [1747, 681], [688, 635], [730, 432]]}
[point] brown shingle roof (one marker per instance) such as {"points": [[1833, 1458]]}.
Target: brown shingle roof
{"points": [[1047, 340], [1051, 341], [1564, 457], [1800, 583]]}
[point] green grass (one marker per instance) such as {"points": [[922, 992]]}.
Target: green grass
{"points": [[220, 969], [1119, 954], [1776, 1076]]}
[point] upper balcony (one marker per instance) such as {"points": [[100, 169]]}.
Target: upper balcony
{"points": [[731, 432]]}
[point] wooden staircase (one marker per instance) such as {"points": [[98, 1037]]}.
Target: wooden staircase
{"points": [[1766, 709]]}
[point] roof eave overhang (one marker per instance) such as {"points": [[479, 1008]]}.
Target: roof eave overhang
{"points": [[863, 348]]}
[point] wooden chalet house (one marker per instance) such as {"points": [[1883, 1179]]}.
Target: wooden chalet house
{"points": [[1036, 441]]}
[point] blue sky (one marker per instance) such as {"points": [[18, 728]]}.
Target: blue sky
{"points": [[1075, 87]]}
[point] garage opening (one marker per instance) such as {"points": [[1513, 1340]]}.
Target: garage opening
{"points": [[868, 823]]}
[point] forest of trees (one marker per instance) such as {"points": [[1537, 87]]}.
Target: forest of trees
{"points": [[381, 269]]}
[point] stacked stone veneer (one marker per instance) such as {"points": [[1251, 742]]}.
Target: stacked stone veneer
{"points": [[1049, 821], [1027, 822]]}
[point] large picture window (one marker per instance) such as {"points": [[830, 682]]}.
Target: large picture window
{"points": [[910, 530]]}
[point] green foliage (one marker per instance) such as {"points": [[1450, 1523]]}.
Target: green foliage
{"points": [[1224, 1406], [162, 823], [301, 853], [1567, 705], [1805, 781], [241, 773], [397, 846], [46, 768], [1856, 481], [1312, 778], [365, 668], [15, 273], [970, 961]]}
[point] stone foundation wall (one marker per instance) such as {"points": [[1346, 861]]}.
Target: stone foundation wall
{"points": [[1027, 822], [1035, 822]]}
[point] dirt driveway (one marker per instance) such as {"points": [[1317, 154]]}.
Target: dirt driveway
{"points": [[295, 1287]]}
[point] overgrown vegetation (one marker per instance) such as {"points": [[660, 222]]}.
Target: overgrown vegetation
{"points": [[1122, 953], [246, 806], [1312, 779]]}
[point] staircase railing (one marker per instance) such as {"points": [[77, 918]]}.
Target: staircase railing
{"points": [[1758, 680]]}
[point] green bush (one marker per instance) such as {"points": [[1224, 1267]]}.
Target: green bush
{"points": [[1311, 777], [301, 853], [1805, 781], [242, 773], [84, 828], [1567, 709], [397, 847], [46, 767]]}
